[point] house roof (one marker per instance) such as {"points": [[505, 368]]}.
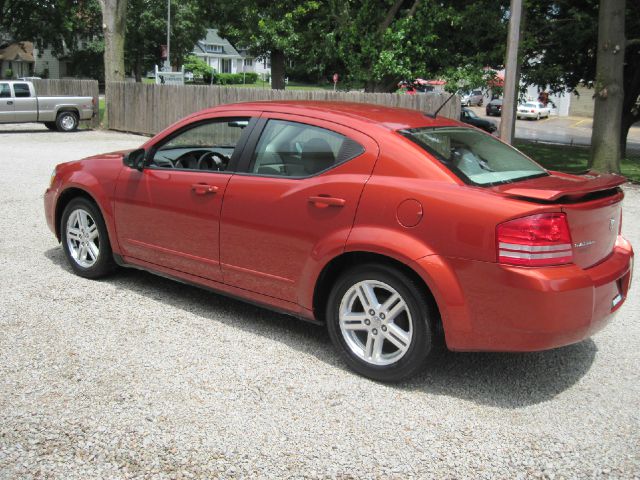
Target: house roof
{"points": [[19, 51], [213, 38]]}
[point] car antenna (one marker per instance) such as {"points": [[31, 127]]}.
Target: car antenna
{"points": [[435, 114]]}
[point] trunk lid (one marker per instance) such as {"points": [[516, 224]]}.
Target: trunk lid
{"points": [[592, 203]]}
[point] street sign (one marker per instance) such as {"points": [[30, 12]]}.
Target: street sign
{"points": [[335, 81]]}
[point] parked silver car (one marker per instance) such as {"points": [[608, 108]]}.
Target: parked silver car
{"points": [[533, 111], [20, 104], [474, 97]]}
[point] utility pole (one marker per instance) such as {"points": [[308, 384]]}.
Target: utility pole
{"points": [[511, 76], [168, 63]]}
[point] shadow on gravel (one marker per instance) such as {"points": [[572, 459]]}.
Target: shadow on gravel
{"points": [[505, 380], [5, 132]]}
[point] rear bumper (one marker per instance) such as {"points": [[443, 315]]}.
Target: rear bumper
{"points": [[527, 115], [518, 309]]}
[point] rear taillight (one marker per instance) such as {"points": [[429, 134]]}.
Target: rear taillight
{"points": [[534, 241], [533, 111]]}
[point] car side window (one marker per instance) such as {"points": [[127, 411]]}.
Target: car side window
{"points": [[5, 91], [206, 146], [21, 90], [291, 149]]}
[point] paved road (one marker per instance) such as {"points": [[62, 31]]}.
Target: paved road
{"points": [[136, 376], [566, 130]]}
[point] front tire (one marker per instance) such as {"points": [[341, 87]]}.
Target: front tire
{"points": [[51, 125], [85, 240], [67, 121], [379, 320]]}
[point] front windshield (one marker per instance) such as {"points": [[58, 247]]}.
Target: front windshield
{"points": [[477, 158]]}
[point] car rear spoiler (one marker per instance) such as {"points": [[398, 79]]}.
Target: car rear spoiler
{"points": [[562, 185]]}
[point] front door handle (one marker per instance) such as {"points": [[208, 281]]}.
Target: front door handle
{"points": [[204, 189], [9, 102], [323, 201]]}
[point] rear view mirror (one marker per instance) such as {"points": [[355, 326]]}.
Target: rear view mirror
{"points": [[135, 159]]}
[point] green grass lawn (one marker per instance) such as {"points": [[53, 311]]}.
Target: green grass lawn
{"points": [[101, 110], [571, 159]]}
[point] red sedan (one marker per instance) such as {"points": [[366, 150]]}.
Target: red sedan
{"points": [[395, 229]]}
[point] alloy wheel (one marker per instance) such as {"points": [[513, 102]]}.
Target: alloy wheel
{"points": [[375, 322], [83, 238]]}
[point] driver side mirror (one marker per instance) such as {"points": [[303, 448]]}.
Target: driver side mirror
{"points": [[135, 159]]}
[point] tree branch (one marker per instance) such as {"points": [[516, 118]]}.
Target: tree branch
{"points": [[632, 42], [414, 7], [391, 14]]}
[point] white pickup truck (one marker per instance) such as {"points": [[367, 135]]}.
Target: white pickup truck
{"points": [[20, 104]]}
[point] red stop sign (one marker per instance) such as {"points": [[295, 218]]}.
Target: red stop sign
{"points": [[335, 78]]}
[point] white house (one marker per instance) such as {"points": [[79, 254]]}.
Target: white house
{"points": [[223, 57]]}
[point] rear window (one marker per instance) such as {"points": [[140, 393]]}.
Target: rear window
{"points": [[21, 90], [475, 157]]}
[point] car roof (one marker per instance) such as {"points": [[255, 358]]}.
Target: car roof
{"points": [[390, 118]]}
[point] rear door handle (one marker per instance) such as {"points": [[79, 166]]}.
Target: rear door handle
{"points": [[326, 201], [204, 189]]}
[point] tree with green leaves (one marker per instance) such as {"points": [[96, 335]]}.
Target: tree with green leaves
{"points": [[62, 25], [274, 28], [380, 43], [147, 31], [560, 50]]}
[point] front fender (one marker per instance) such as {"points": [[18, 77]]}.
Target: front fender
{"points": [[101, 190]]}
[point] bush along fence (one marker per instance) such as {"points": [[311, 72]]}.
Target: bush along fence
{"points": [[148, 109], [82, 88]]}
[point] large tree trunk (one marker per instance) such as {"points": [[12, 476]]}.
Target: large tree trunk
{"points": [[114, 22], [609, 94], [630, 113], [137, 67], [386, 85], [277, 69]]}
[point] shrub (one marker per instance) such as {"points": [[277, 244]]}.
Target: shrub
{"points": [[199, 68], [234, 78], [8, 73]]}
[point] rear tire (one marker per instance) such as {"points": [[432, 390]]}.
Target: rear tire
{"points": [[380, 321], [67, 121], [85, 239]]}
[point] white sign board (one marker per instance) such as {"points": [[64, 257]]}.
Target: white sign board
{"points": [[169, 78]]}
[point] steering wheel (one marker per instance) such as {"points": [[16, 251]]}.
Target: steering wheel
{"points": [[213, 161], [187, 160]]}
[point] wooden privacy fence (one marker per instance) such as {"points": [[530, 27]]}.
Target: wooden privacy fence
{"points": [[148, 108], [82, 88]]}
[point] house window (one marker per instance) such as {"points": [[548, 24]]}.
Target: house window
{"points": [[248, 62], [226, 65], [213, 48]]}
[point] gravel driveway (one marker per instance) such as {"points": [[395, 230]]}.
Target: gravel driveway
{"points": [[137, 376]]}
